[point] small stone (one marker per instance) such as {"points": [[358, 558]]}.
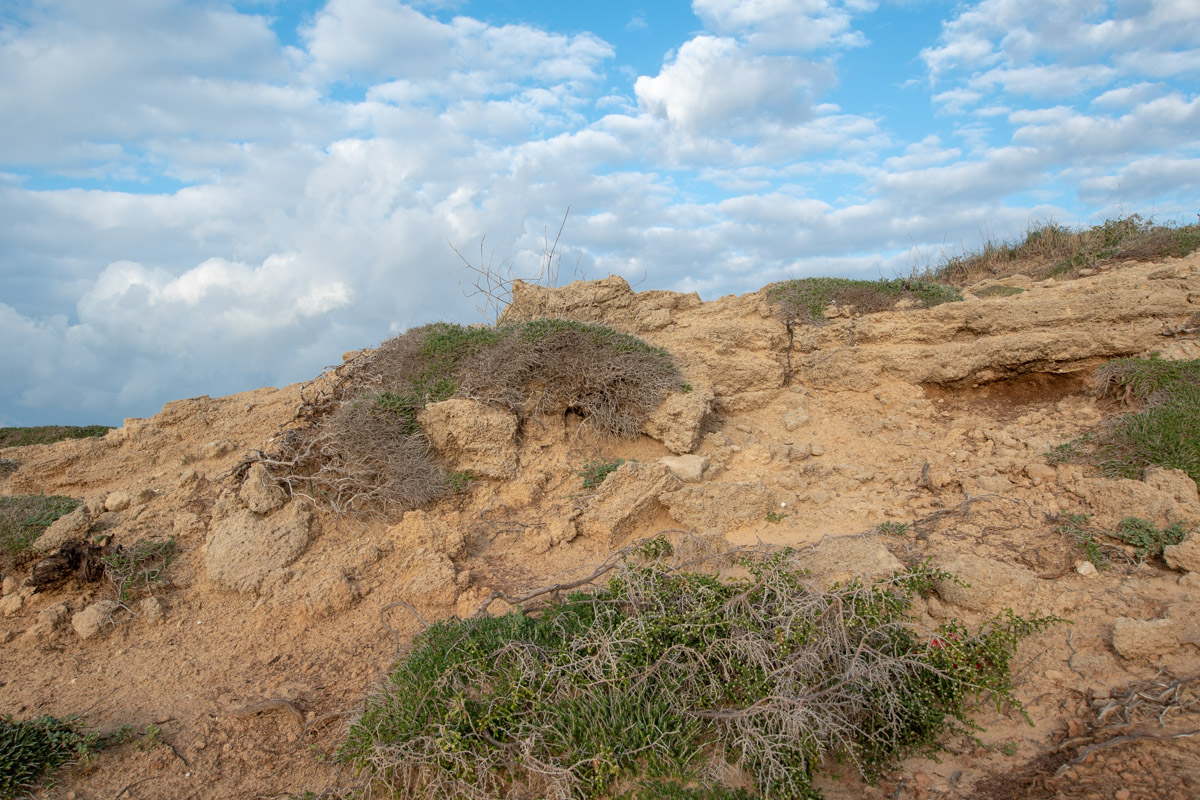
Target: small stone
{"points": [[260, 493], [151, 609], [1184, 556], [118, 501], [11, 604], [94, 619], [1135, 638], [1190, 580], [1086, 568], [216, 449], [688, 469], [816, 450], [795, 418], [10, 585]]}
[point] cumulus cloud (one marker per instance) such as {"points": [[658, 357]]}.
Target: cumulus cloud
{"points": [[714, 86]]}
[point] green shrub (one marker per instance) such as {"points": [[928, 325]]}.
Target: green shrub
{"points": [[23, 518], [649, 678], [47, 434], [31, 750]]}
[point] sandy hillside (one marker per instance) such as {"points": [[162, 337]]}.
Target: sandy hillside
{"points": [[267, 631]]}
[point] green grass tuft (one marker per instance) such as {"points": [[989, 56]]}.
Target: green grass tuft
{"points": [[1166, 432], [23, 518], [31, 750]]}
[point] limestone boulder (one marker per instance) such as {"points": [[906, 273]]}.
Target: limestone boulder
{"points": [[95, 619], [990, 585], [427, 549], [1135, 638], [841, 559], [248, 552], [626, 503], [473, 437], [70, 527], [259, 493], [1185, 555], [678, 423], [720, 505]]}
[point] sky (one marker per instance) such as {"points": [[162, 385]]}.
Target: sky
{"points": [[201, 198]]}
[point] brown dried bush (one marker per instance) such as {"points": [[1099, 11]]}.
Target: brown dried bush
{"points": [[359, 447]]}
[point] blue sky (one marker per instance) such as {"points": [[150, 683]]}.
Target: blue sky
{"points": [[207, 197]]}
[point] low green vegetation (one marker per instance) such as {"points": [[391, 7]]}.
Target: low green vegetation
{"points": [[363, 449], [31, 750], [47, 434], [138, 567], [23, 518], [635, 689], [1142, 535], [1051, 250], [893, 528], [594, 472], [1083, 536], [804, 300], [1166, 431], [1147, 540], [998, 291]]}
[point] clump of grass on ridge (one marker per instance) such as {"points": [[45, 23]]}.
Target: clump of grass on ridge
{"points": [[47, 434], [1051, 250], [362, 448], [804, 300]]}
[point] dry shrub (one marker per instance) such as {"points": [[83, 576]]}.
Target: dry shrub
{"points": [[613, 380], [360, 448]]}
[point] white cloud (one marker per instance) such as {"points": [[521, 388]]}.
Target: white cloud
{"points": [[715, 86], [794, 25]]}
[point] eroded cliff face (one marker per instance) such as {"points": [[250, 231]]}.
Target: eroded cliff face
{"points": [[275, 618]]}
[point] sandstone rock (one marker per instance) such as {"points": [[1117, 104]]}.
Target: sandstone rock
{"points": [[1185, 555], [48, 620], [95, 619], [688, 469], [679, 421], [11, 604], [1135, 638], [1040, 473], [261, 494], [991, 585], [720, 505], [473, 437], [216, 449], [151, 609], [1173, 482], [10, 585], [1112, 500], [427, 547], [843, 558], [627, 501], [1086, 568], [72, 526], [247, 552], [121, 499], [795, 418]]}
